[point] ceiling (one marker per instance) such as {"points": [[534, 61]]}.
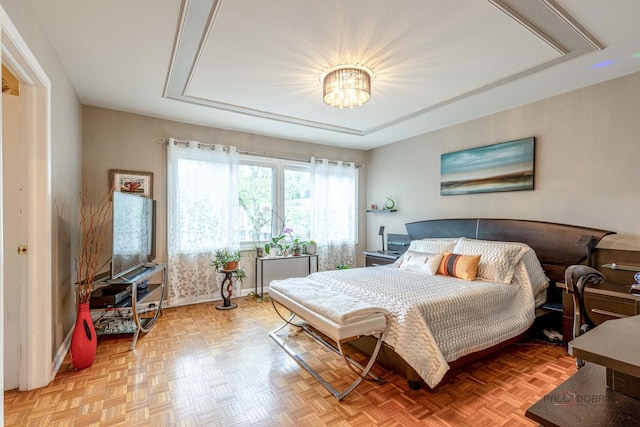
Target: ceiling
{"points": [[254, 66]]}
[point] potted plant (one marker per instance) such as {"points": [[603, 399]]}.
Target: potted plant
{"points": [[298, 245], [310, 247], [241, 275], [226, 259]]}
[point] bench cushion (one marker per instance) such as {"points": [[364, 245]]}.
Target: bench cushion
{"points": [[322, 311]]}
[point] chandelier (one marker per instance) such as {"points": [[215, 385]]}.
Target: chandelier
{"points": [[346, 86]]}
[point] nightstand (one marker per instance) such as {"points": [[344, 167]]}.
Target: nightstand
{"points": [[375, 258]]}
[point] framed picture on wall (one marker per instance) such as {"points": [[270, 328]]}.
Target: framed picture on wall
{"points": [[134, 182], [507, 166]]}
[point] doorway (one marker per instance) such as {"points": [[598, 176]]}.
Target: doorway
{"points": [[35, 316], [14, 228]]}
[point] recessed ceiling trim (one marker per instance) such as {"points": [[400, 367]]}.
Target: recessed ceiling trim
{"points": [[575, 25], [203, 43], [529, 26], [471, 93], [195, 30], [269, 115], [194, 16], [176, 48]]}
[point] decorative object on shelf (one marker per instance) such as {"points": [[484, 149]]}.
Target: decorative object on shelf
{"points": [[389, 204], [374, 207], [92, 232], [346, 86], [635, 288], [140, 183]]}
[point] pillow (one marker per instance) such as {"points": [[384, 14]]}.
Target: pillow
{"points": [[498, 258], [421, 262], [433, 245], [460, 266], [529, 271], [430, 246]]}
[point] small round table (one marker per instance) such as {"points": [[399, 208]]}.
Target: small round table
{"points": [[226, 301]]}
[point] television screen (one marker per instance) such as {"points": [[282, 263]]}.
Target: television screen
{"points": [[133, 233]]}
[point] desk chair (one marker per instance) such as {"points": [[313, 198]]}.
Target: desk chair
{"points": [[577, 277]]}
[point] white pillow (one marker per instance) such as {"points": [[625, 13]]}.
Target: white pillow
{"points": [[429, 246], [531, 271], [497, 261], [421, 262]]}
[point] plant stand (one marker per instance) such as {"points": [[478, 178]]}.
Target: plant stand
{"points": [[226, 300]]}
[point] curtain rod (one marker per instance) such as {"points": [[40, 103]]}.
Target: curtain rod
{"points": [[253, 153]]}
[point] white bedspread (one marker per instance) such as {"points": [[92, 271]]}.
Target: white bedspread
{"points": [[433, 319]]}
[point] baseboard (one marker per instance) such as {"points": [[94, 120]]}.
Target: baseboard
{"points": [[61, 354]]}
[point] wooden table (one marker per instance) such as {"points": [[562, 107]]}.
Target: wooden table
{"points": [[585, 401], [602, 392], [615, 345]]}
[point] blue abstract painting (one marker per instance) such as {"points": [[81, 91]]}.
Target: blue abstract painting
{"points": [[507, 166]]}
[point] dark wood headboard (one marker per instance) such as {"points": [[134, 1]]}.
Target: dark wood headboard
{"points": [[554, 244]]}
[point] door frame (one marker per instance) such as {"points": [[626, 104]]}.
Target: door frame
{"points": [[36, 337]]}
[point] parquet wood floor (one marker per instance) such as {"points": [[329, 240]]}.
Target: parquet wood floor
{"points": [[205, 367]]}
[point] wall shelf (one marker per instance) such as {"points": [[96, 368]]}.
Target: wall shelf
{"points": [[381, 210], [614, 266]]}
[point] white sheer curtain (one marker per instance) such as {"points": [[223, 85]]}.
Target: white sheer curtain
{"points": [[202, 198], [333, 217]]}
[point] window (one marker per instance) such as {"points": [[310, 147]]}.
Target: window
{"points": [[272, 194], [297, 201], [255, 200]]}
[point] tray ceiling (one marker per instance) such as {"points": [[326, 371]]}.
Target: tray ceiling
{"points": [[255, 66]]}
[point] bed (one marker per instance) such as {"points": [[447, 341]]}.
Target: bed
{"points": [[440, 317]]}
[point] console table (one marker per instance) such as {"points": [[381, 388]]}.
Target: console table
{"points": [[281, 262]]}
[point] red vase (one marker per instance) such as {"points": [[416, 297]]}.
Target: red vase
{"points": [[83, 340]]}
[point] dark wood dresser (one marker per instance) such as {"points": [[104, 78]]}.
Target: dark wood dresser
{"points": [[611, 299]]}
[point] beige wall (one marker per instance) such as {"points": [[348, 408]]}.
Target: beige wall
{"points": [[119, 140], [587, 165], [66, 151]]}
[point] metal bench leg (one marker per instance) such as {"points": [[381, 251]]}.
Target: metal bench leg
{"points": [[364, 370]]}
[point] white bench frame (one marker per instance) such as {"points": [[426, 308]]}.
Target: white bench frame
{"points": [[353, 330]]}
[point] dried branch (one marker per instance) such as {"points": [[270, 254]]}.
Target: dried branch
{"points": [[92, 230]]}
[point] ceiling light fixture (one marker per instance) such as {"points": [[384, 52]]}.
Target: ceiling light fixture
{"points": [[346, 86]]}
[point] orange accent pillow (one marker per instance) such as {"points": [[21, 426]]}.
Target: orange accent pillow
{"points": [[460, 266]]}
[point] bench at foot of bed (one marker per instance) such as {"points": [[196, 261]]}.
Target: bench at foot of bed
{"points": [[369, 322]]}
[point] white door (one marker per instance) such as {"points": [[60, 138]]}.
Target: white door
{"points": [[14, 213]]}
